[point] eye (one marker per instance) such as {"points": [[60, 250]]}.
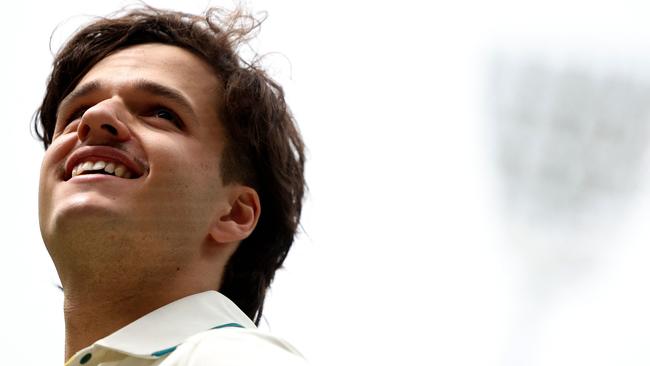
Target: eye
{"points": [[167, 114], [76, 114], [69, 122], [164, 114]]}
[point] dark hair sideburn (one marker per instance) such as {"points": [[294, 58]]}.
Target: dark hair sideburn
{"points": [[263, 149]]}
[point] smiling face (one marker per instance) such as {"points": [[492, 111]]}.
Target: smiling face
{"points": [[132, 178]]}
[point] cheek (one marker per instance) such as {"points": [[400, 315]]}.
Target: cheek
{"points": [[52, 164], [50, 175], [184, 160], [184, 178], [57, 151]]}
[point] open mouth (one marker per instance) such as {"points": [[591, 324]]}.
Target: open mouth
{"points": [[103, 167], [103, 160]]}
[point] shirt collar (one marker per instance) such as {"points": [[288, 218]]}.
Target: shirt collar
{"points": [[160, 331]]}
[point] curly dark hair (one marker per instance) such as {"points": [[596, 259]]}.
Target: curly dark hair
{"points": [[263, 149]]}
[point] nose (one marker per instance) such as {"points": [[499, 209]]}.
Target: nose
{"points": [[103, 123]]}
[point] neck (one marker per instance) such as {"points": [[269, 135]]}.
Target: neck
{"points": [[87, 321], [93, 315], [99, 300]]}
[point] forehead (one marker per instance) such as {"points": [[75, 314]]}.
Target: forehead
{"points": [[171, 66]]}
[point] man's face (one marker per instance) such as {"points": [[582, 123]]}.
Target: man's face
{"points": [[149, 113]]}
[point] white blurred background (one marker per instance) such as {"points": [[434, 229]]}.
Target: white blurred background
{"points": [[477, 172]]}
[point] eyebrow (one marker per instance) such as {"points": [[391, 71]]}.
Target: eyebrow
{"points": [[144, 85]]}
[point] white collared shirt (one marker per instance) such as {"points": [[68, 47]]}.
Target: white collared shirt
{"points": [[204, 329]]}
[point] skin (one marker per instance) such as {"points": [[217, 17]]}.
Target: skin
{"points": [[124, 247]]}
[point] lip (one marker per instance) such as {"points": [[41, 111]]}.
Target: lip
{"points": [[105, 153]]}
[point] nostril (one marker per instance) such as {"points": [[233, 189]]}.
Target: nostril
{"points": [[83, 132], [112, 130]]}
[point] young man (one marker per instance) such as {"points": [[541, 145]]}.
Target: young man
{"points": [[173, 170]]}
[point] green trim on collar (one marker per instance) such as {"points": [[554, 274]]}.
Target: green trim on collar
{"points": [[236, 325], [171, 349], [164, 351]]}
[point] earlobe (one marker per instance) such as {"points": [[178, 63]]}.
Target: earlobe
{"points": [[241, 219]]}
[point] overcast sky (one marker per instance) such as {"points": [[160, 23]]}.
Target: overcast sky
{"points": [[410, 252]]}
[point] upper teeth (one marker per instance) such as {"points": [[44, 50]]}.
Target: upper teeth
{"points": [[112, 168]]}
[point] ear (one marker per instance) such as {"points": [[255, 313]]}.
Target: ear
{"points": [[242, 216]]}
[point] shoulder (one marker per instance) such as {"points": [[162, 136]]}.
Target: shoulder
{"points": [[234, 347]]}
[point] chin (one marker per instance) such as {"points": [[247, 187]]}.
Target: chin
{"points": [[83, 231], [90, 205], [81, 215]]}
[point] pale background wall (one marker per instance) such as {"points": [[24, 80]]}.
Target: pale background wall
{"points": [[478, 182]]}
